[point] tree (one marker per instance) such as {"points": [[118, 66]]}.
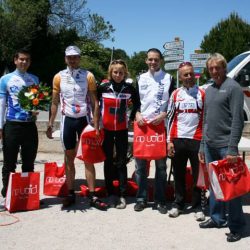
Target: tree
{"points": [[47, 27], [229, 37], [137, 64], [73, 14], [21, 22]]}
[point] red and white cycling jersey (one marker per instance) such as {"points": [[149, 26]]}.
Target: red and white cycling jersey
{"points": [[185, 113]]}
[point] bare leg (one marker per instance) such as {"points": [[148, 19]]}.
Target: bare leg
{"points": [[90, 176], [69, 158]]}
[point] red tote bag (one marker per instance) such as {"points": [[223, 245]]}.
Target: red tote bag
{"points": [[23, 192], [149, 141], [229, 180], [54, 179], [90, 146]]}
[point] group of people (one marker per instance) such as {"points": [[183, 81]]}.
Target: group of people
{"points": [[202, 126]]}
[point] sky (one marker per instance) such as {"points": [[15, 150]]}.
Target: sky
{"points": [[143, 24]]}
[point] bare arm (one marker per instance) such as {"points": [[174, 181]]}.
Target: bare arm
{"points": [[95, 108], [54, 108]]}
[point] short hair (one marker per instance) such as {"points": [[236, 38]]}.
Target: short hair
{"points": [[22, 51], [217, 57], [155, 51], [115, 62]]}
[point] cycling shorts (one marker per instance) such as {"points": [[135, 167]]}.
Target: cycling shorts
{"points": [[71, 129]]}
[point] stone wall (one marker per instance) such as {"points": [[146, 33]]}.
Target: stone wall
{"points": [[54, 145]]}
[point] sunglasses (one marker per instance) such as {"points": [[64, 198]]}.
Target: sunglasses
{"points": [[185, 64], [119, 61]]}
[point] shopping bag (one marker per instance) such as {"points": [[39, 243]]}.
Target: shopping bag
{"points": [[203, 178], [23, 192], [99, 191], [229, 180], [131, 189], [149, 141], [54, 179], [90, 146]]}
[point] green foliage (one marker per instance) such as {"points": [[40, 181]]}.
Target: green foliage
{"points": [[137, 64], [229, 37], [47, 27]]}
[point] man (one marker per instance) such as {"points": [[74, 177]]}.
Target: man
{"points": [[154, 88], [19, 130], [71, 87], [223, 125], [185, 111]]}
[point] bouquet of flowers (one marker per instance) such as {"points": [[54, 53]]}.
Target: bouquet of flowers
{"points": [[35, 97]]}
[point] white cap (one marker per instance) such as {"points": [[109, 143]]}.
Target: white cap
{"points": [[72, 51]]}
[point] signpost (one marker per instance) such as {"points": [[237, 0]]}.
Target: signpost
{"points": [[203, 56], [172, 65], [177, 44], [199, 62], [173, 58], [173, 52], [173, 55]]}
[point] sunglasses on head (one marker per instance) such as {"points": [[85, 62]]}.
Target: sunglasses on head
{"points": [[185, 64], [118, 62]]}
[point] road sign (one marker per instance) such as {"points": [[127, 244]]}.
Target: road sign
{"points": [[199, 56], [173, 52], [173, 58], [174, 45], [198, 70], [199, 63], [172, 65]]}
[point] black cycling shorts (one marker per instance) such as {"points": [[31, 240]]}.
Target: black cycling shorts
{"points": [[71, 129]]}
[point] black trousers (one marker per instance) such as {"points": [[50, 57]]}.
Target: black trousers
{"points": [[119, 139], [18, 135], [185, 149]]}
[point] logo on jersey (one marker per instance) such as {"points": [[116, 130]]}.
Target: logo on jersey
{"points": [[76, 108]]}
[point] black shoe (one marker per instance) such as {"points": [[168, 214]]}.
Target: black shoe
{"points": [[68, 201], [97, 203], [139, 206], [232, 237], [161, 207], [211, 224]]}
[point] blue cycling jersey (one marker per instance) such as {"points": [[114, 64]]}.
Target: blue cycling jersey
{"points": [[10, 85]]}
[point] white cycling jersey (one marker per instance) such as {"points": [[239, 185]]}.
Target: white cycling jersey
{"points": [[154, 93], [73, 86]]}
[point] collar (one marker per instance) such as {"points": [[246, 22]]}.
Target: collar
{"points": [[19, 73]]}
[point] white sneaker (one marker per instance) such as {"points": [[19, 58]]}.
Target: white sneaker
{"points": [[199, 216], [122, 203], [174, 212], [2, 204]]}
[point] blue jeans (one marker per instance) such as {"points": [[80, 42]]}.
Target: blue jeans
{"points": [[160, 180], [217, 209]]}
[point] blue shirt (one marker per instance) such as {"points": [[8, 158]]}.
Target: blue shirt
{"points": [[10, 85]]}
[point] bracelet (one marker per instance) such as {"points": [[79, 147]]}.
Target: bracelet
{"points": [[50, 126]]}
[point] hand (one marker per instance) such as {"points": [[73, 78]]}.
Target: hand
{"points": [[171, 150], [97, 132], [34, 113], [49, 132], [139, 119], [158, 119], [231, 158], [201, 156]]}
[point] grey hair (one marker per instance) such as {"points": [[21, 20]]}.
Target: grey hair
{"points": [[217, 57]]}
